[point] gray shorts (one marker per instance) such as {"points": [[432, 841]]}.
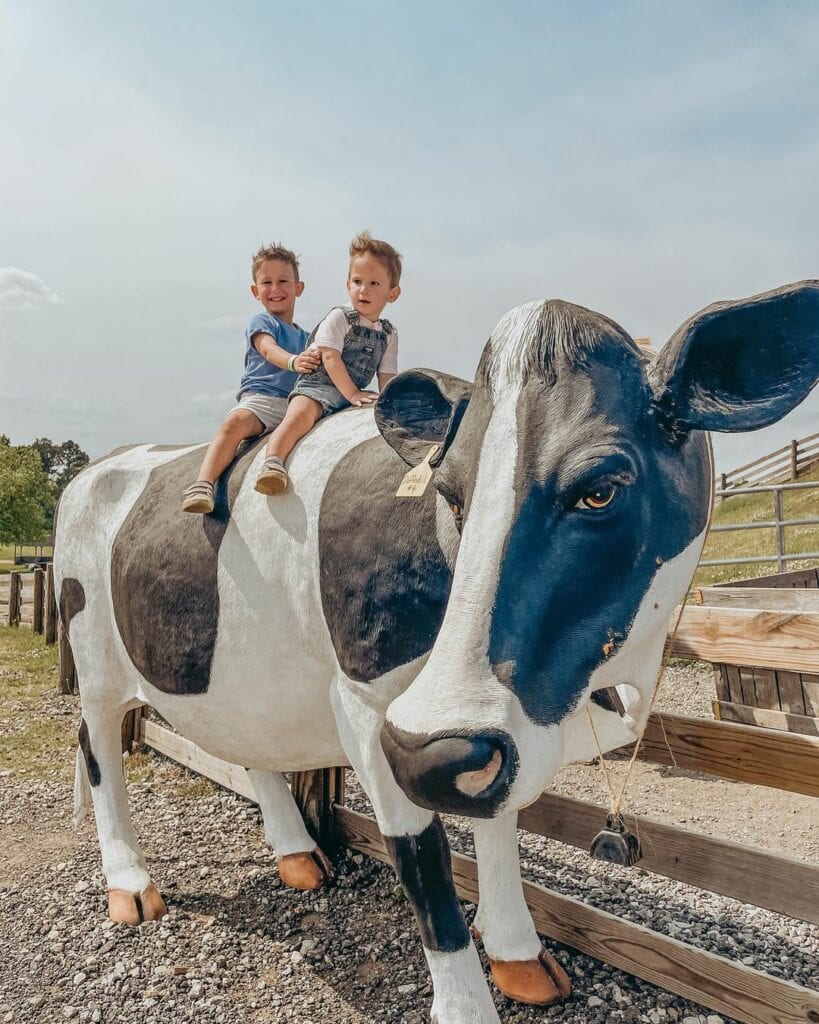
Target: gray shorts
{"points": [[270, 409]]}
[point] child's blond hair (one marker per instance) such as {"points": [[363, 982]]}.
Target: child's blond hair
{"points": [[275, 252], [382, 251]]}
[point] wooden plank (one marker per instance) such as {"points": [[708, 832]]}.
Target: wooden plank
{"points": [[770, 598], [804, 725], [767, 694], [315, 792], [746, 683], [67, 672], [791, 696], [231, 776], [791, 578], [50, 630], [741, 636], [721, 682], [37, 600], [15, 587], [810, 691], [720, 984], [781, 884], [734, 687], [741, 752]]}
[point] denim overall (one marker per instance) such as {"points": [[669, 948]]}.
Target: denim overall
{"points": [[362, 353]]}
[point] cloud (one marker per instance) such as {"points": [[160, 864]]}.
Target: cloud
{"points": [[20, 289]]}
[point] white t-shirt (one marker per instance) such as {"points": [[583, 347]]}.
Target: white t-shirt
{"points": [[333, 330]]}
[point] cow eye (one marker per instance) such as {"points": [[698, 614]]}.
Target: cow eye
{"points": [[598, 498]]}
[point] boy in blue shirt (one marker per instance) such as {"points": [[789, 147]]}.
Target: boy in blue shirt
{"points": [[274, 357]]}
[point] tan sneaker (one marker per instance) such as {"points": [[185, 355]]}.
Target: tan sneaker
{"points": [[272, 477], [198, 497]]}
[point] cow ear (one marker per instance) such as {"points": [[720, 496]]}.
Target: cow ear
{"points": [[740, 365], [419, 408]]}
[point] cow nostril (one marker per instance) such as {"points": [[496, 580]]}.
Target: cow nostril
{"points": [[475, 782]]}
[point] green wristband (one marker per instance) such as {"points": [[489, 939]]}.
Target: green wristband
{"points": [[291, 364]]}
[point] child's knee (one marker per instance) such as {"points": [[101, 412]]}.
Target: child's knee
{"points": [[304, 417], [240, 424]]}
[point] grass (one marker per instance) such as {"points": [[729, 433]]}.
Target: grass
{"points": [[38, 724], [756, 508], [34, 741]]}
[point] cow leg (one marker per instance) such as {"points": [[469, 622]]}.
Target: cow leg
{"points": [[521, 968], [302, 865], [419, 850], [132, 897]]}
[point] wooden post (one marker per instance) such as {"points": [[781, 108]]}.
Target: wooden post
{"points": [[50, 607], [39, 591], [794, 459], [132, 730], [315, 792], [68, 673], [723, 483], [15, 592]]}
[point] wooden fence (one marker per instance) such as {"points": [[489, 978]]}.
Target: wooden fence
{"points": [[742, 753], [789, 638], [786, 463]]}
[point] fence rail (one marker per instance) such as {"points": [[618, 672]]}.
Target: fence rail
{"points": [[763, 879], [786, 463], [779, 523]]}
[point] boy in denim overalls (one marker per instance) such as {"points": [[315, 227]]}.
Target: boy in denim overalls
{"points": [[355, 343]]}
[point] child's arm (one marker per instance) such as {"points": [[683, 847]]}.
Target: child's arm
{"points": [[384, 379], [304, 362], [334, 365]]}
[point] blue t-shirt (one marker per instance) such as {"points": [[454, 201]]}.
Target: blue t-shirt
{"points": [[262, 377]]}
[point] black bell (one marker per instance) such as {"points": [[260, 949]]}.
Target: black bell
{"points": [[616, 844]]}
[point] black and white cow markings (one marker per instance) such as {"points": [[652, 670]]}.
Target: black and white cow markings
{"points": [[583, 441], [91, 763], [423, 866], [164, 575], [72, 601], [383, 601], [454, 669]]}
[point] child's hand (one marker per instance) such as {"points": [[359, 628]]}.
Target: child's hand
{"points": [[307, 361], [363, 398]]}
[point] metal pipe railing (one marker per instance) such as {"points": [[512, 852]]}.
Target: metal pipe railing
{"points": [[779, 523]]}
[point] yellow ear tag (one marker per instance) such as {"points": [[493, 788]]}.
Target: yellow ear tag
{"points": [[415, 482]]}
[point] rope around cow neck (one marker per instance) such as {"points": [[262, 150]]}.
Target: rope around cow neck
{"points": [[615, 801]]}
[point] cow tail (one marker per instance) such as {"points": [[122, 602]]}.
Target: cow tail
{"points": [[82, 790]]}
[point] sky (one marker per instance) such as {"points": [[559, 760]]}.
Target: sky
{"points": [[641, 159]]}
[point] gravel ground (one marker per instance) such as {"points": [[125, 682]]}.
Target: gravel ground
{"points": [[237, 946]]}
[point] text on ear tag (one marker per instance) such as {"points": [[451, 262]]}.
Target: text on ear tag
{"points": [[415, 482]]}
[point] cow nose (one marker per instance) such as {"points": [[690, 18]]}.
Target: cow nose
{"points": [[456, 773]]}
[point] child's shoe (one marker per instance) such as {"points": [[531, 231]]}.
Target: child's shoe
{"points": [[198, 497], [272, 476]]}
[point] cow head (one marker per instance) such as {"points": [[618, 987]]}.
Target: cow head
{"points": [[584, 479]]}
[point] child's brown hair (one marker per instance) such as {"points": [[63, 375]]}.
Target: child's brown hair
{"points": [[275, 252], [382, 251]]}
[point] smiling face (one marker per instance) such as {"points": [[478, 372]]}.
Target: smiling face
{"points": [[277, 288], [369, 286]]}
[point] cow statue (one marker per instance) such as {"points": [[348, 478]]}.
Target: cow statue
{"points": [[452, 645]]}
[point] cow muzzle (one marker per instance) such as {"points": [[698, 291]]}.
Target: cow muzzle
{"points": [[454, 772]]}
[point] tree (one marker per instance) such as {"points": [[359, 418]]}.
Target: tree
{"points": [[61, 462], [26, 499]]}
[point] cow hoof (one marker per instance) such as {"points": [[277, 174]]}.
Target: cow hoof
{"points": [[539, 982], [134, 908], [305, 870]]}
